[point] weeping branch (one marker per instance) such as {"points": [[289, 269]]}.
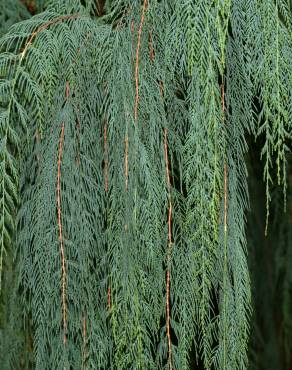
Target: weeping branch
{"points": [[62, 252], [145, 4], [169, 222]]}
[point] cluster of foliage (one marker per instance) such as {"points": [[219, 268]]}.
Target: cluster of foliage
{"points": [[123, 182]]}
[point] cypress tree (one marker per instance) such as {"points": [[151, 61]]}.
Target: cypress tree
{"points": [[123, 182]]}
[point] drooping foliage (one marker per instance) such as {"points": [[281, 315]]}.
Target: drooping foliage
{"points": [[124, 181], [11, 12]]}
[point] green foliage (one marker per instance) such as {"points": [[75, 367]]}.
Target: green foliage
{"points": [[124, 183], [11, 12]]}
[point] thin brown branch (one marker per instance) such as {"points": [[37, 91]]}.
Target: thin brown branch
{"points": [[151, 49], [166, 159], [106, 190], [84, 342], [225, 196], [62, 252], [161, 89], [67, 90], [145, 4], [60, 226], [168, 277], [44, 27], [126, 161], [132, 25], [109, 304], [105, 158], [225, 164]]}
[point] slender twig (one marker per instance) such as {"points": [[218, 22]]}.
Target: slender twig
{"points": [[44, 27], [106, 190], [84, 342], [126, 160], [105, 158], [225, 196], [225, 164], [169, 222], [132, 25], [151, 49], [62, 252], [105, 148], [145, 4], [60, 226], [109, 304], [225, 234]]}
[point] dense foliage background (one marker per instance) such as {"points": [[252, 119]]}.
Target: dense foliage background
{"points": [[127, 128]]}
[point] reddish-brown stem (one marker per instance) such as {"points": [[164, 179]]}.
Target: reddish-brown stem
{"points": [[60, 226], [225, 164], [169, 222], [166, 159], [62, 252], [84, 342], [67, 89], [106, 190], [145, 4], [223, 100], [132, 25], [105, 158], [161, 89], [38, 139], [109, 304], [152, 54], [78, 161], [126, 161], [43, 27], [225, 196]]}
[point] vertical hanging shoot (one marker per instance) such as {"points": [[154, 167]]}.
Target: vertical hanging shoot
{"points": [[145, 4], [274, 91], [135, 211], [169, 247], [62, 252], [204, 164]]}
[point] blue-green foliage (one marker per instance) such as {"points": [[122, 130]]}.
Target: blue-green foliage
{"points": [[123, 184]]}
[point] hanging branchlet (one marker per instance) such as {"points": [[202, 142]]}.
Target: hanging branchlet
{"points": [[140, 30], [62, 252], [169, 248], [60, 227]]}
